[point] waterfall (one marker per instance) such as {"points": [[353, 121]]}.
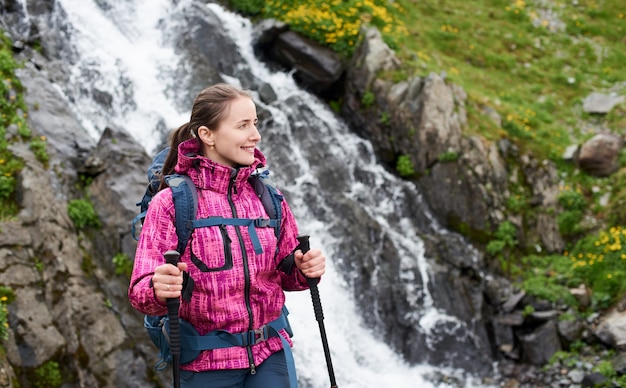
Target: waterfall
{"points": [[122, 55]]}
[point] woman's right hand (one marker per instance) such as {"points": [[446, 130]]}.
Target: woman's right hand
{"points": [[167, 281]]}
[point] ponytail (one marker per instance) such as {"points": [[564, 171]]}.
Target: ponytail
{"points": [[178, 136]]}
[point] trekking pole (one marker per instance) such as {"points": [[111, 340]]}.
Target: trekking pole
{"points": [[319, 314], [173, 304]]}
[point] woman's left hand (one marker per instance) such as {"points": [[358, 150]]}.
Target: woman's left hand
{"points": [[312, 264]]}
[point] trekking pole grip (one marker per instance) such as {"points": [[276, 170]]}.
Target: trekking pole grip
{"points": [[305, 246], [173, 304]]}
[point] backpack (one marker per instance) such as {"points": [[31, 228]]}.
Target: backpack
{"points": [[185, 199]]}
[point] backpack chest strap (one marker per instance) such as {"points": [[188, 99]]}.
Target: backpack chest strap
{"points": [[252, 224]]}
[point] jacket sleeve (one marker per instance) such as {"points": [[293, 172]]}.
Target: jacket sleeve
{"points": [[158, 235], [295, 281]]}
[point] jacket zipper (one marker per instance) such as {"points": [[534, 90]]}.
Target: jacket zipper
{"points": [[233, 189]]}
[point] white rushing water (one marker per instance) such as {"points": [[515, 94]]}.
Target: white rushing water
{"points": [[122, 52]]}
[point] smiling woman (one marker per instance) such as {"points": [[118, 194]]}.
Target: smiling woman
{"points": [[238, 261]]}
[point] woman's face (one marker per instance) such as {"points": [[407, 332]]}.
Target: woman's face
{"points": [[236, 137]]}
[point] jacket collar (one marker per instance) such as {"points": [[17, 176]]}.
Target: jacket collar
{"points": [[207, 174]]}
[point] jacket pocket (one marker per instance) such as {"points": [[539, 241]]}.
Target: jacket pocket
{"points": [[209, 258]]}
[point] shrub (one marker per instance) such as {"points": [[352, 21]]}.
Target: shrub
{"points": [[572, 200], [368, 99], [48, 375], [569, 222], [503, 244], [82, 213], [335, 24], [7, 186], [449, 156], [600, 262], [548, 288], [404, 166], [123, 264], [574, 204], [38, 146]]}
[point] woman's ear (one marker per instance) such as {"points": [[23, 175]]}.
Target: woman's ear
{"points": [[206, 135]]}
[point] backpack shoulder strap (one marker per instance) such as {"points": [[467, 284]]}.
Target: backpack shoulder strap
{"points": [[270, 197], [185, 198]]}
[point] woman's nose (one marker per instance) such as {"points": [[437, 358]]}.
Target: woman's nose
{"points": [[256, 135]]}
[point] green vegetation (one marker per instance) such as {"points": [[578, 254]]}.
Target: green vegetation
{"points": [[13, 129], [6, 297], [600, 262], [83, 214], [583, 353], [503, 244], [48, 375], [336, 23], [597, 260], [11, 104], [449, 156], [574, 204], [404, 166], [368, 99], [532, 64], [123, 264]]}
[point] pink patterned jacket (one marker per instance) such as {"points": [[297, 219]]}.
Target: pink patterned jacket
{"points": [[241, 298]]}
